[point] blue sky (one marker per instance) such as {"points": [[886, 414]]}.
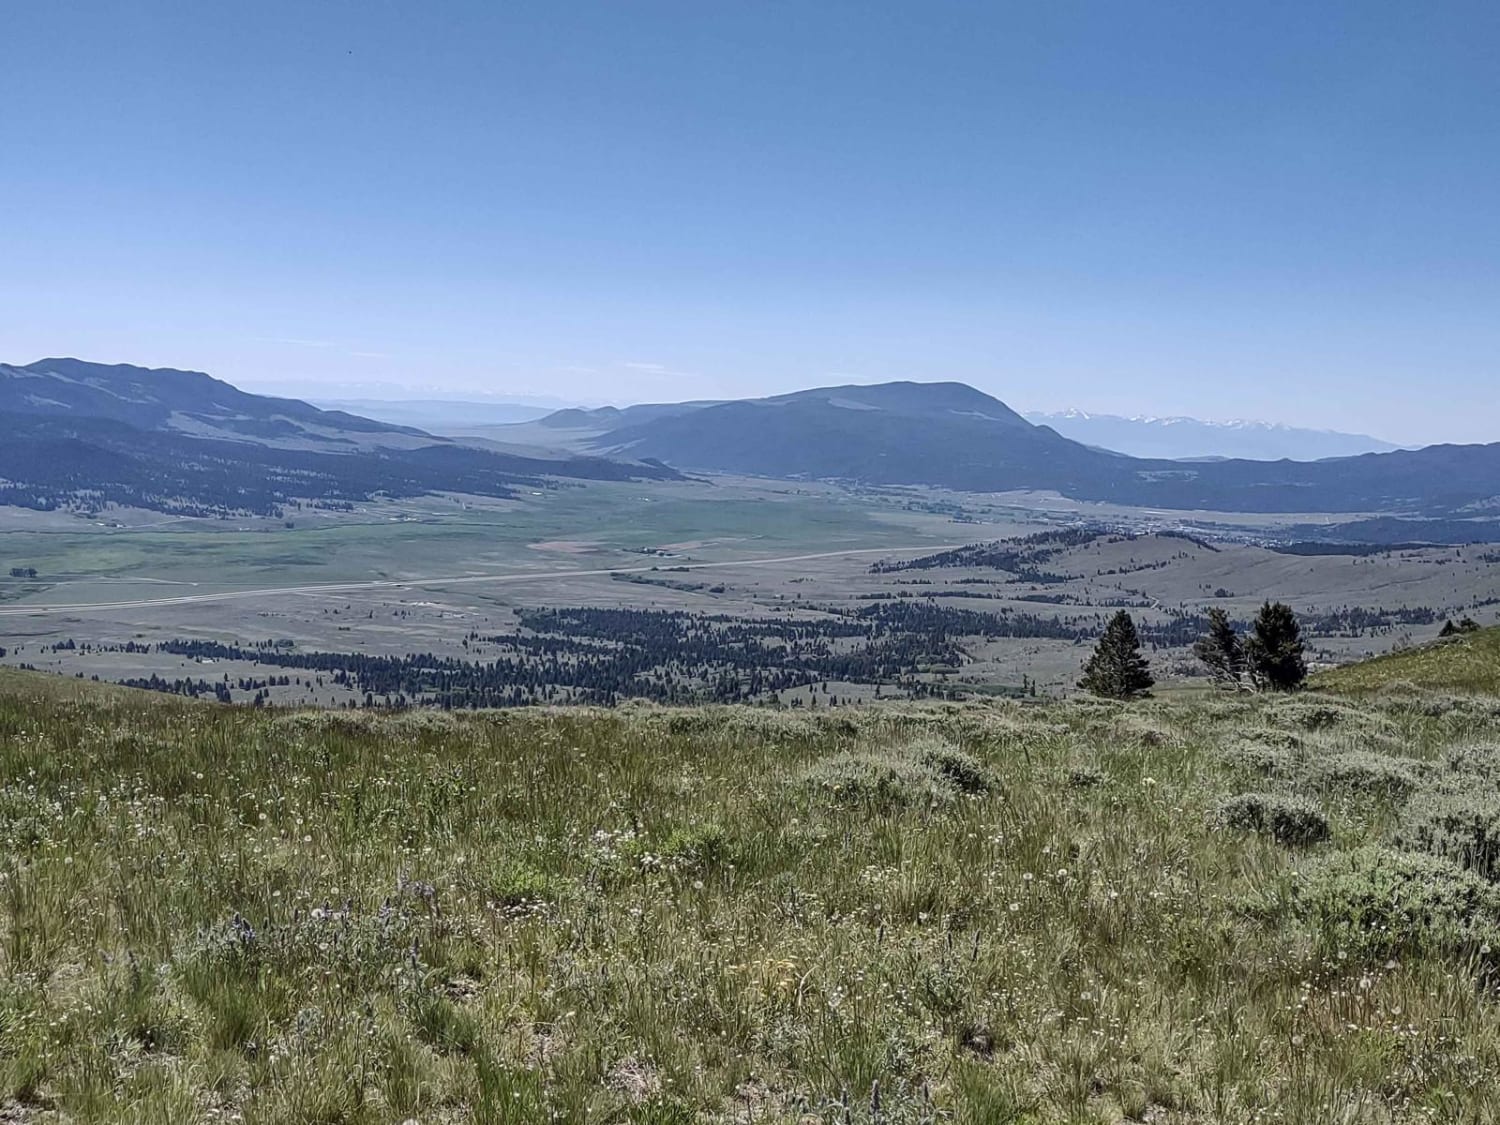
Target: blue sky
{"points": [[1276, 210]]}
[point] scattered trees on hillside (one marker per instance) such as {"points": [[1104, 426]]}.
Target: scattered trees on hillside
{"points": [[1117, 670]]}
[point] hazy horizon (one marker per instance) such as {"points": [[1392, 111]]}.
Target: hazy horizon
{"points": [[344, 393], [1281, 214]]}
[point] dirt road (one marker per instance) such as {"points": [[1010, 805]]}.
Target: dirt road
{"points": [[44, 610]]}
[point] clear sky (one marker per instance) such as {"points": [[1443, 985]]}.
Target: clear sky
{"points": [[1280, 210]]}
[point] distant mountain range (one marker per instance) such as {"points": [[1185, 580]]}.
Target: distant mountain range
{"points": [[1194, 439], [189, 403], [953, 436], [83, 435], [439, 415]]}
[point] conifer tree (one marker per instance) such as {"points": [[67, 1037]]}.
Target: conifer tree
{"points": [[1221, 650], [1117, 670], [1274, 651]]}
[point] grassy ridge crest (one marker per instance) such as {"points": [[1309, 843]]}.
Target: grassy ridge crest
{"points": [[1469, 662]]}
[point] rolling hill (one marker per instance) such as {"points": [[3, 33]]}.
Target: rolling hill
{"points": [[952, 436], [1469, 662], [189, 403], [85, 435]]}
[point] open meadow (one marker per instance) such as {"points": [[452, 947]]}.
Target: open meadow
{"points": [[1205, 910], [600, 591]]}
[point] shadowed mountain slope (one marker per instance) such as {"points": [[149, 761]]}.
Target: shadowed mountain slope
{"points": [[187, 402], [951, 436], [85, 435]]}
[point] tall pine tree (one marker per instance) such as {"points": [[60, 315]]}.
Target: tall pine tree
{"points": [[1221, 650], [1274, 651], [1117, 670]]}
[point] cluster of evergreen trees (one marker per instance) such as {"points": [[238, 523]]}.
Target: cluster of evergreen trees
{"points": [[597, 655], [1026, 553], [1271, 658]]}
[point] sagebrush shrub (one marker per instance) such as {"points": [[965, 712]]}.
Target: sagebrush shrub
{"points": [[1310, 714], [1142, 730], [1254, 755], [1474, 759], [965, 771], [882, 780], [1460, 824], [1378, 902], [1085, 777], [1293, 821], [1365, 773], [925, 770]]}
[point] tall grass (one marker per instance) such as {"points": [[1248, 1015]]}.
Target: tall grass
{"points": [[908, 914]]}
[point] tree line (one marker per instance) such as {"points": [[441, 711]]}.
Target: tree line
{"points": [[1270, 657]]}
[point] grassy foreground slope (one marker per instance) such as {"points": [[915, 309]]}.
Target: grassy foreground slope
{"points": [[1469, 662], [983, 914]]}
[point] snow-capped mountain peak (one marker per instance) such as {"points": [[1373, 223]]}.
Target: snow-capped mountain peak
{"points": [[1184, 438]]}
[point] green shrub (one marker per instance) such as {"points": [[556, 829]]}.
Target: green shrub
{"points": [[1474, 760], [1293, 821], [698, 847], [520, 884], [880, 780], [1377, 902], [926, 770], [1085, 777], [963, 770], [1459, 824], [1307, 720], [1316, 714], [1254, 755], [1365, 773]]}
